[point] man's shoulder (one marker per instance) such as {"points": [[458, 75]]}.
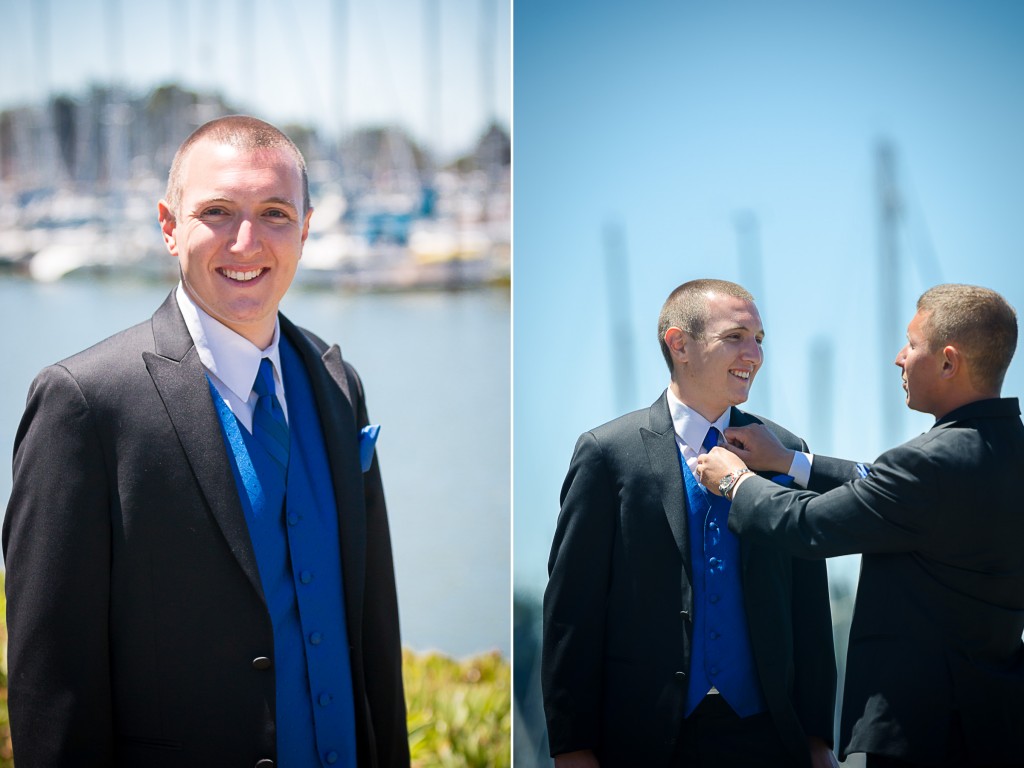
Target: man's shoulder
{"points": [[787, 438], [626, 424], [112, 354]]}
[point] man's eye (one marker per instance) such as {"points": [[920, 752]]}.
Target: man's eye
{"points": [[277, 213], [215, 211]]}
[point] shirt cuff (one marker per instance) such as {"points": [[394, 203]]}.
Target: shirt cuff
{"points": [[800, 469]]}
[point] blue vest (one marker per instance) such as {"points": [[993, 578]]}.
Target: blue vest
{"points": [[295, 539], [720, 652]]}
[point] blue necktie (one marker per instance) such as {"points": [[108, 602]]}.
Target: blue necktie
{"points": [[268, 424], [711, 438]]}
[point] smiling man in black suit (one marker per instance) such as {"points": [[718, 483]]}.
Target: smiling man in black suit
{"points": [[667, 642], [198, 559], [935, 671]]}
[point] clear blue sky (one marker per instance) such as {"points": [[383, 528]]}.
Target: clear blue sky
{"points": [[286, 61], [668, 119]]}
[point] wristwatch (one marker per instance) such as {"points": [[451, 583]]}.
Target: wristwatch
{"points": [[727, 483]]}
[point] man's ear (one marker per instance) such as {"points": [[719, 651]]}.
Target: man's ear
{"points": [[952, 362], [167, 226], [676, 339]]}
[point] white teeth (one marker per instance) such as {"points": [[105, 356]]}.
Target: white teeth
{"points": [[242, 276], [741, 374]]}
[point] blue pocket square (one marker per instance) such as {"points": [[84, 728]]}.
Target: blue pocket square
{"points": [[367, 441]]}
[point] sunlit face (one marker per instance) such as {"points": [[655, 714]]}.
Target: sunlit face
{"points": [[922, 368], [720, 366], [238, 234]]}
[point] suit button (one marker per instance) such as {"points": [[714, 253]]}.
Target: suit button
{"points": [[685, 615], [261, 663], [331, 757], [266, 762], [680, 676]]}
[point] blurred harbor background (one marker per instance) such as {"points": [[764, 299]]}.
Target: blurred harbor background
{"points": [[835, 159], [402, 110]]}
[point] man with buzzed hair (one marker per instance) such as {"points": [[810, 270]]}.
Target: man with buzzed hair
{"points": [[667, 641], [935, 670], [199, 567]]}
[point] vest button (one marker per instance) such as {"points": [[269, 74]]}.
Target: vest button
{"points": [[325, 699], [316, 638], [331, 757], [293, 518], [261, 663], [305, 577], [266, 762]]}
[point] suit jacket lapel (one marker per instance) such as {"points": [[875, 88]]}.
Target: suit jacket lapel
{"points": [[663, 455], [181, 380], [338, 420], [739, 418]]}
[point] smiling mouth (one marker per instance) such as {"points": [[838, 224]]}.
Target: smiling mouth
{"points": [[745, 375], [242, 277]]}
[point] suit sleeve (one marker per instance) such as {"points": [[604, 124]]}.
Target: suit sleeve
{"points": [[57, 549], [575, 602], [828, 473], [381, 637], [877, 514]]}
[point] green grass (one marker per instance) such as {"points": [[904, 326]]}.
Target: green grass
{"points": [[459, 711]]}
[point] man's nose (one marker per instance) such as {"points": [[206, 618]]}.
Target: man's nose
{"points": [[901, 356], [753, 352], [246, 238]]}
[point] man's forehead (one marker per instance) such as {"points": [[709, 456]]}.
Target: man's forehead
{"points": [[732, 311]]}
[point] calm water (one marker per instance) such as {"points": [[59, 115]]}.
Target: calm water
{"points": [[436, 370]]}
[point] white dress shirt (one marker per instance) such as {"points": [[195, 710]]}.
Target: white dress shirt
{"points": [[231, 360], [691, 427]]}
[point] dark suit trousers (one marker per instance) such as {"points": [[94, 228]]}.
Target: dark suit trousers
{"points": [[714, 736]]}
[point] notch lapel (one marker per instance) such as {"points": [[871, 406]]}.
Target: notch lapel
{"points": [[663, 455], [180, 378]]}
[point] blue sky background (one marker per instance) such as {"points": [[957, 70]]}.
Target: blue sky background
{"points": [[287, 61], [666, 120]]}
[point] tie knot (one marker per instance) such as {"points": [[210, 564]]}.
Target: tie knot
{"points": [[711, 439], [264, 384]]}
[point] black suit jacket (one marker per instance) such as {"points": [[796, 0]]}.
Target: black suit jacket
{"points": [[936, 633], [135, 609], [618, 605]]}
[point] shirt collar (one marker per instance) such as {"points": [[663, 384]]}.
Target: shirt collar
{"points": [[690, 426], [230, 357]]}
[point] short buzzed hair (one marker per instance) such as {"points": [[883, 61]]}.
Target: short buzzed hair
{"points": [[979, 322], [239, 131], [686, 308]]}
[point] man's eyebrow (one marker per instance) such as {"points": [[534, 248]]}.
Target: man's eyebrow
{"points": [[227, 200], [741, 328], [281, 201]]}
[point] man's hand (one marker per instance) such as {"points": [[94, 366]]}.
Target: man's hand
{"points": [[821, 755], [759, 448], [583, 758], [716, 464]]}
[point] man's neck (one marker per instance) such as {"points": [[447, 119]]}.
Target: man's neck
{"points": [[712, 414], [953, 403]]}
